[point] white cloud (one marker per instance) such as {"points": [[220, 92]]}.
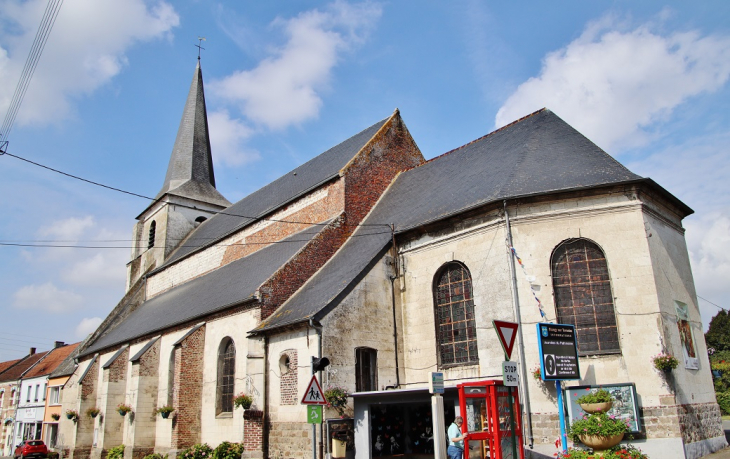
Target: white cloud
{"points": [[86, 326], [85, 49], [102, 269], [227, 137], [709, 248], [616, 85], [68, 230], [284, 89], [46, 297]]}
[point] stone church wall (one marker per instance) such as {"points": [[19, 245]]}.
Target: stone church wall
{"points": [[616, 221]]}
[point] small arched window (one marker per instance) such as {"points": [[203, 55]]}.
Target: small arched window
{"points": [[226, 376], [151, 240], [455, 324], [583, 295], [199, 220]]}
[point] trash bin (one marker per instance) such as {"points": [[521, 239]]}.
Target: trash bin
{"points": [[339, 448]]}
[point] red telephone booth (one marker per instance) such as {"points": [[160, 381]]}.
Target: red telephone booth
{"points": [[491, 413]]}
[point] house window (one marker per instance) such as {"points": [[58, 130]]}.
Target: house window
{"points": [[151, 240], [455, 324], [226, 376], [583, 297], [54, 395], [29, 391], [288, 382], [37, 392], [366, 369], [45, 387]]}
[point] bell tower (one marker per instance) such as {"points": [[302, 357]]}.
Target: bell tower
{"points": [[188, 196]]}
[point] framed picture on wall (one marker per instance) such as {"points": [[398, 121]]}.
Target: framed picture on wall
{"points": [[625, 403], [686, 337]]}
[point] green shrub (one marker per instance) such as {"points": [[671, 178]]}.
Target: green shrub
{"points": [[155, 456], [197, 451], [723, 399], [116, 453], [599, 396], [227, 450], [598, 424]]}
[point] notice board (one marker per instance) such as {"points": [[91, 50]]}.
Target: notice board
{"points": [[558, 352], [625, 404]]}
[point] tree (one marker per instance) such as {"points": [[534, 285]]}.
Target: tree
{"points": [[718, 335]]}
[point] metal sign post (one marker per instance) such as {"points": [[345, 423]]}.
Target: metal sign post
{"points": [[436, 388], [314, 396], [558, 361]]}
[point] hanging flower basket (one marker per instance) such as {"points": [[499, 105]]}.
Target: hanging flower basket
{"points": [[55, 416], [165, 411], [665, 362], [123, 409], [243, 401], [92, 412], [72, 414]]}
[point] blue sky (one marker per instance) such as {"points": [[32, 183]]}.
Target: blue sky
{"points": [[647, 81]]}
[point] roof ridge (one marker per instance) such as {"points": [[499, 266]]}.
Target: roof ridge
{"points": [[487, 135]]}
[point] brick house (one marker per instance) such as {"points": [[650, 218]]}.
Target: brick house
{"points": [[391, 266]]}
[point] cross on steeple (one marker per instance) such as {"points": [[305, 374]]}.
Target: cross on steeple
{"points": [[200, 42]]}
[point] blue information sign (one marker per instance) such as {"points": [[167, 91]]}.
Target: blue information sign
{"points": [[558, 352]]}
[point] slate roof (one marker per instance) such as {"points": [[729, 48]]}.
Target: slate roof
{"points": [[538, 154], [190, 172], [16, 371], [222, 288], [54, 358], [281, 191]]}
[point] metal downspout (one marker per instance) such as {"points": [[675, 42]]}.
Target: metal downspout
{"points": [[395, 334], [518, 318], [265, 427]]}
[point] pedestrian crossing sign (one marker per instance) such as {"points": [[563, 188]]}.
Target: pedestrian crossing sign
{"points": [[314, 395]]}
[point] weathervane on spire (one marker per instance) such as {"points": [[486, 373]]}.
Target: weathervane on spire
{"points": [[200, 42]]}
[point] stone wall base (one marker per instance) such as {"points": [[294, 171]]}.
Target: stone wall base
{"points": [[81, 453], [704, 447], [137, 452], [290, 440]]}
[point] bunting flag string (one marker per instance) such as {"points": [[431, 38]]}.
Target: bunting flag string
{"points": [[532, 289]]}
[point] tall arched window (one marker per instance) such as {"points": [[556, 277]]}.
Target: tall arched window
{"points": [[455, 325], [171, 379], [226, 376], [151, 239], [583, 295]]}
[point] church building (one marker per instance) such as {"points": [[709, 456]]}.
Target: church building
{"points": [[392, 267]]}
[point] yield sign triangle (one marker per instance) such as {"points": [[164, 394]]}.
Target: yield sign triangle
{"points": [[507, 331], [314, 395]]}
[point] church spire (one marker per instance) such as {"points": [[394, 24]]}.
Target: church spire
{"points": [[190, 172]]}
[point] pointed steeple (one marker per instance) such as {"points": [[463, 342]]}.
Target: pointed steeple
{"points": [[190, 172]]}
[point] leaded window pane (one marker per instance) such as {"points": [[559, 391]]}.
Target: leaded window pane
{"points": [[455, 324], [583, 297]]}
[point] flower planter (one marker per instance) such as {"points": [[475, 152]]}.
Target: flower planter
{"points": [[70, 416], [599, 443], [122, 412], [247, 404], [164, 414], [596, 407]]}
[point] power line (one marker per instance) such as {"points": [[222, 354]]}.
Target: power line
{"points": [[39, 43], [717, 306], [220, 212], [60, 246]]}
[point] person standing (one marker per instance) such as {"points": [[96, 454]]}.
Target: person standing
{"points": [[456, 439]]}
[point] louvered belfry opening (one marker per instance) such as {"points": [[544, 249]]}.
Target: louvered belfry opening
{"points": [[583, 297], [226, 377], [456, 328]]}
